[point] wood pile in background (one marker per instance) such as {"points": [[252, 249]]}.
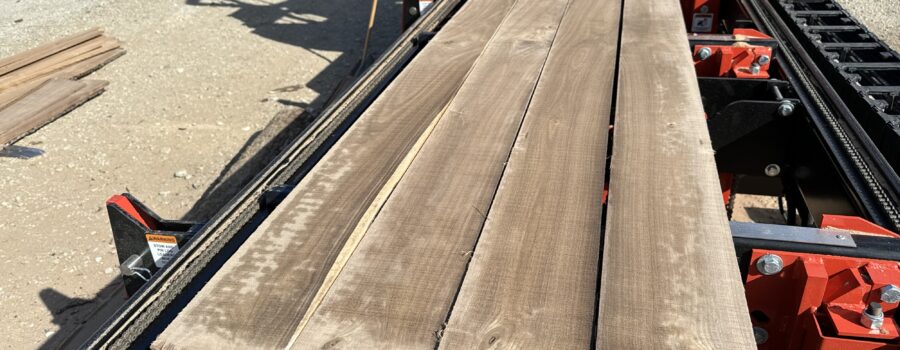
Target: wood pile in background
{"points": [[39, 85]]}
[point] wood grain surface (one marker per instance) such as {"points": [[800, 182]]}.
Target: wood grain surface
{"points": [[532, 281], [38, 53], [396, 289], [47, 102], [670, 278], [258, 298], [60, 61]]}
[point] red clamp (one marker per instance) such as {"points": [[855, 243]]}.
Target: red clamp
{"points": [[739, 60]]}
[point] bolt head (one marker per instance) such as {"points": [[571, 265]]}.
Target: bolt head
{"points": [[760, 334], [772, 170], [754, 68], [763, 60], [890, 294], [769, 264], [786, 109], [704, 53]]}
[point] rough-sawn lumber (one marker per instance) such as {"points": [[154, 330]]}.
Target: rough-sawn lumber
{"points": [[670, 278], [46, 103], [262, 293], [533, 277], [396, 289]]}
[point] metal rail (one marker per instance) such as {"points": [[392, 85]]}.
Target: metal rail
{"points": [[244, 212], [862, 68], [874, 184]]}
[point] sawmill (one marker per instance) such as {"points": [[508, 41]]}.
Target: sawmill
{"points": [[556, 174]]}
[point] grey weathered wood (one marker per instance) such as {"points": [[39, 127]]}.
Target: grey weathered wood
{"points": [[43, 105], [261, 294], [533, 277], [33, 55], [397, 287], [670, 279]]}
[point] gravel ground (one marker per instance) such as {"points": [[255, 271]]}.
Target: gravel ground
{"points": [[199, 79], [882, 17]]}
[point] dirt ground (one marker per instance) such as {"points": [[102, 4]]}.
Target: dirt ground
{"points": [[200, 80]]}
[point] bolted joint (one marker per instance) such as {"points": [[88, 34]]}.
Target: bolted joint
{"points": [[890, 294], [769, 264], [772, 170], [754, 68], [704, 53], [763, 60], [786, 108], [873, 316]]}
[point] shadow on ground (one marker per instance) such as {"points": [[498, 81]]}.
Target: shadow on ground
{"points": [[315, 25], [765, 215]]}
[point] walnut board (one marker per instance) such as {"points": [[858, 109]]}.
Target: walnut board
{"points": [[259, 297], [463, 209], [532, 282], [670, 278], [398, 286]]}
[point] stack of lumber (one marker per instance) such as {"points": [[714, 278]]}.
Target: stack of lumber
{"points": [[39, 85], [463, 208]]}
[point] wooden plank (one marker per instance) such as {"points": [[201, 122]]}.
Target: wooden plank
{"points": [[396, 289], [262, 293], [669, 275], [533, 277], [362, 227], [58, 62], [83, 68], [11, 95], [25, 58], [74, 71], [44, 105]]}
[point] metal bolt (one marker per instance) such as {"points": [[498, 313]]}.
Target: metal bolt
{"points": [[132, 267], [414, 11], [773, 170], [763, 60], [704, 53], [761, 335], [769, 264], [786, 108], [890, 294], [840, 237], [704, 9], [873, 316], [754, 68]]}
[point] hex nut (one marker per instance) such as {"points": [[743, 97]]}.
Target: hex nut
{"points": [[890, 294], [769, 264], [760, 335], [873, 316], [704, 53]]}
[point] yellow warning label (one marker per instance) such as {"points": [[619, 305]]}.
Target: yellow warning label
{"points": [[161, 239], [162, 248]]}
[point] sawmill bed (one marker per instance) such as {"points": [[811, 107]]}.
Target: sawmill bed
{"points": [[464, 206]]}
